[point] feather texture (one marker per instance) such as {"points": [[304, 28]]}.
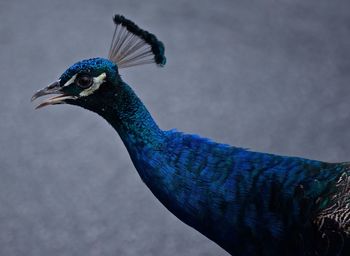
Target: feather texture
{"points": [[249, 203], [132, 46]]}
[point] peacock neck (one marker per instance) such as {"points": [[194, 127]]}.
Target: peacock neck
{"points": [[134, 124]]}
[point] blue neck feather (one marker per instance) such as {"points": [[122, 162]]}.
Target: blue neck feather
{"points": [[137, 129], [240, 199]]}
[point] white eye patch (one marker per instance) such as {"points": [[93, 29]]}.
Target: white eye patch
{"points": [[70, 81], [97, 83]]}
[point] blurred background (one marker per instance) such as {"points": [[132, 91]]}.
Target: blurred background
{"points": [[272, 76]]}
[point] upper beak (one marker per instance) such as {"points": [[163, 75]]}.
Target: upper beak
{"points": [[53, 88]]}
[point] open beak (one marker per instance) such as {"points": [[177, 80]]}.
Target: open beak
{"points": [[53, 88]]}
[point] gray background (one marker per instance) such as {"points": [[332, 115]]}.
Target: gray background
{"points": [[272, 76]]}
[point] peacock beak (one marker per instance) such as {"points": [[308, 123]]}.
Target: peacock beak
{"points": [[53, 88]]}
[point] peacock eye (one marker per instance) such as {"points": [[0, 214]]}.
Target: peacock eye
{"points": [[84, 81]]}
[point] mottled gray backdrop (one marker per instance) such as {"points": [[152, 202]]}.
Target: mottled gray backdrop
{"points": [[273, 76]]}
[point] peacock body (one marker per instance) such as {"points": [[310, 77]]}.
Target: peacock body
{"points": [[247, 202]]}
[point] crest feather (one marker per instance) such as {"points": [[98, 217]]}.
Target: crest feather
{"points": [[132, 46]]}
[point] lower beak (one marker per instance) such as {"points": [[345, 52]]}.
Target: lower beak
{"points": [[53, 88]]}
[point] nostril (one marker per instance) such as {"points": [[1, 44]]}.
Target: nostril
{"points": [[53, 85]]}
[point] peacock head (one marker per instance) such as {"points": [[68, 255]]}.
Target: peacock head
{"points": [[85, 83], [90, 82]]}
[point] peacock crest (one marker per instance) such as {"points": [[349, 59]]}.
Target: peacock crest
{"points": [[133, 46]]}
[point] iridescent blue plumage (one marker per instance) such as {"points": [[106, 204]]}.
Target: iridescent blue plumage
{"points": [[94, 66], [249, 203]]}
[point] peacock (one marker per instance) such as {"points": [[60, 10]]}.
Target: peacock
{"points": [[249, 203]]}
